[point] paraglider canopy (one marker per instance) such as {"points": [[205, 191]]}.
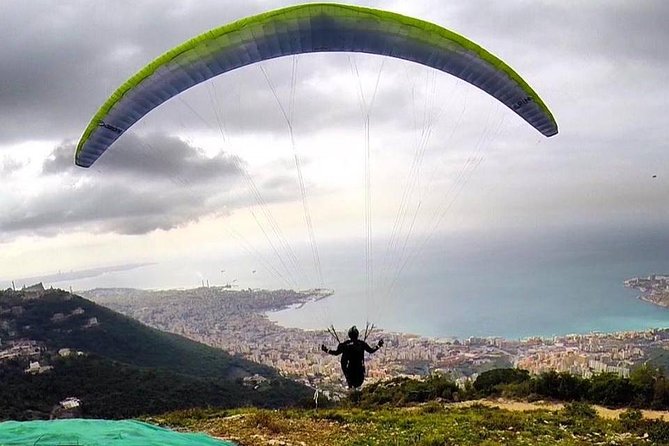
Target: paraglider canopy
{"points": [[302, 29]]}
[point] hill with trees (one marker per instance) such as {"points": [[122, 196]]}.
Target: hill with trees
{"points": [[57, 345]]}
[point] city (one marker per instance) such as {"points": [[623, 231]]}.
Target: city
{"points": [[654, 288], [236, 321]]}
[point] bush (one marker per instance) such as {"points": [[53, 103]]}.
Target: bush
{"points": [[562, 386], [401, 391], [611, 390], [517, 390], [580, 411], [434, 440], [657, 430], [268, 421], [490, 382], [582, 418], [432, 407], [631, 419]]}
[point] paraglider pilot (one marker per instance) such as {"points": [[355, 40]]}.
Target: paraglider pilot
{"points": [[352, 353]]}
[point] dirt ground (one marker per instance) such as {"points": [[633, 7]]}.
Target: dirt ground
{"points": [[523, 406]]}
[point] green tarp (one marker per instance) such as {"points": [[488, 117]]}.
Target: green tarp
{"points": [[97, 433]]}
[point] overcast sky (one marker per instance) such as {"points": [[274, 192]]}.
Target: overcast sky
{"points": [[183, 180]]}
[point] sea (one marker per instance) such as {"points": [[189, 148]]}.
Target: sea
{"points": [[513, 287], [458, 286]]}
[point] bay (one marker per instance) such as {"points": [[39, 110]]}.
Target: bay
{"points": [[512, 287], [486, 284]]}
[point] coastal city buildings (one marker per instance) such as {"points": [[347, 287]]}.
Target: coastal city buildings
{"points": [[654, 288], [236, 321]]}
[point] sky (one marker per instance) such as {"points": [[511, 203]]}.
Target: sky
{"points": [[182, 183]]}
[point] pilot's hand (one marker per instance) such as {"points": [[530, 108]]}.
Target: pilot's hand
{"points": [[380, 344], [324, 348]]}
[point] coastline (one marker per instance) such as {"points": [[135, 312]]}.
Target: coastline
{"points": [[654, 289], [646, 298], [237, 321]]}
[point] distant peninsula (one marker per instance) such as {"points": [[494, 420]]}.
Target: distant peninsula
{"points": [[654, 288]]}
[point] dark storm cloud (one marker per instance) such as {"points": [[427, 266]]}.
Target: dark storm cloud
{"points": [[154, 157], [61, 59], [599, 65], [132, 192], [110, 206], [60, 62]]}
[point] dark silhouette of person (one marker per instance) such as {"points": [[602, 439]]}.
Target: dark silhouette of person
{"points": [[352, 353]]}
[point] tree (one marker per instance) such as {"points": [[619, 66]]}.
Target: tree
{"points": [[563, 386], [611, 390], [489, 382], [643, 380]]}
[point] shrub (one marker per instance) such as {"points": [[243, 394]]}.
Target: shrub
{"points": [[563, 386], [611, 390], [268, 421], [432, 407], [403, 391], [657, 430], [489, 383], [578, 410], [631, 419]]}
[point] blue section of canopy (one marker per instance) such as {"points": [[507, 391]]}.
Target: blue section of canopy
{"points": [[82, 432]]}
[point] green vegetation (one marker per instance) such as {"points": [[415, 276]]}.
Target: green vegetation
{"points": [[647, 387], [424, 413], [113, 390], [486, 383], [403, 391], [128, 369], [431, 424], [658, 358], [123, 339]]}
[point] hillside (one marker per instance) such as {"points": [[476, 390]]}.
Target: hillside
{"points": [[431, 424], [435, 411], [127, 368]]}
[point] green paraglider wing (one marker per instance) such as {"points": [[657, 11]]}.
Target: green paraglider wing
{"points": [[301, 29]]}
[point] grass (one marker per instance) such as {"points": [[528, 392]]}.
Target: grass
{"points": [[430, 424]]}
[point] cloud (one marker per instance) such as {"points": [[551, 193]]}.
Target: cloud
{"points": [[603, 29], [61, 60], [9, 165], [131, 191], [150, 158], [599, 65]]}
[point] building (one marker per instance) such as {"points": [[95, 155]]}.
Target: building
{"points": [[92, 322], [35, 368], [33, 291], [70, 403], [64, 352]]}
